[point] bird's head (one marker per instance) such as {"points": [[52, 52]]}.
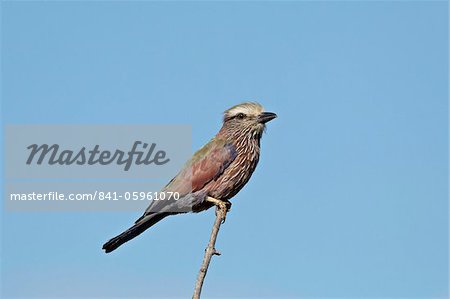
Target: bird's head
{"points": [[246, 119]]}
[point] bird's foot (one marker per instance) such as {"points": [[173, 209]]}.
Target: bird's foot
{"points": [[222, 205]]}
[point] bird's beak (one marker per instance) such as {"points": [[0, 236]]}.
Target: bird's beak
{"points": [[266, 117]]}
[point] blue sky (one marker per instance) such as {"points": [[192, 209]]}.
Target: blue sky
{"points": [[350, 197]]}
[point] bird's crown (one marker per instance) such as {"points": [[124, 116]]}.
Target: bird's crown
{"points": [[247, 108]]}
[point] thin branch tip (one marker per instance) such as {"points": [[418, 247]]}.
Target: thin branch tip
{"points": [[221, 213]]}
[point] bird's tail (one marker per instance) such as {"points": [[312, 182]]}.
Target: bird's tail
{"points": [[139, 227]]}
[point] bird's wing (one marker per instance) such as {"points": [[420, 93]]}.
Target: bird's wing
{"points": [[206, 164]]}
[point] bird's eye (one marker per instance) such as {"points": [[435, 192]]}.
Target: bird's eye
{"points": [[241, 115]]}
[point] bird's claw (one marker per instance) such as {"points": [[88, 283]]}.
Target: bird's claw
{"points": [[224, 206], [221, 205]]}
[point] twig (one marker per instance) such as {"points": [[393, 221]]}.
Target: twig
{"points": [[221, 213]]}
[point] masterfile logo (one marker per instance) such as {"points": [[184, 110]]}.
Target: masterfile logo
{"points": [[97, 151], [52, 155]]}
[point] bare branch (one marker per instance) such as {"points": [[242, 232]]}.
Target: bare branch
{"points": [[221, 214]]}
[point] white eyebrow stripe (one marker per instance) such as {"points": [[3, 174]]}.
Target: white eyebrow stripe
{"points": [[246, 108], [240, 109]]}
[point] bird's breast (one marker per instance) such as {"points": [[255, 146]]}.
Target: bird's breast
{"points": [[237, 174]]}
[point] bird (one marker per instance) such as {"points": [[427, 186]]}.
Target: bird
{"points": [[214, 174]]}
